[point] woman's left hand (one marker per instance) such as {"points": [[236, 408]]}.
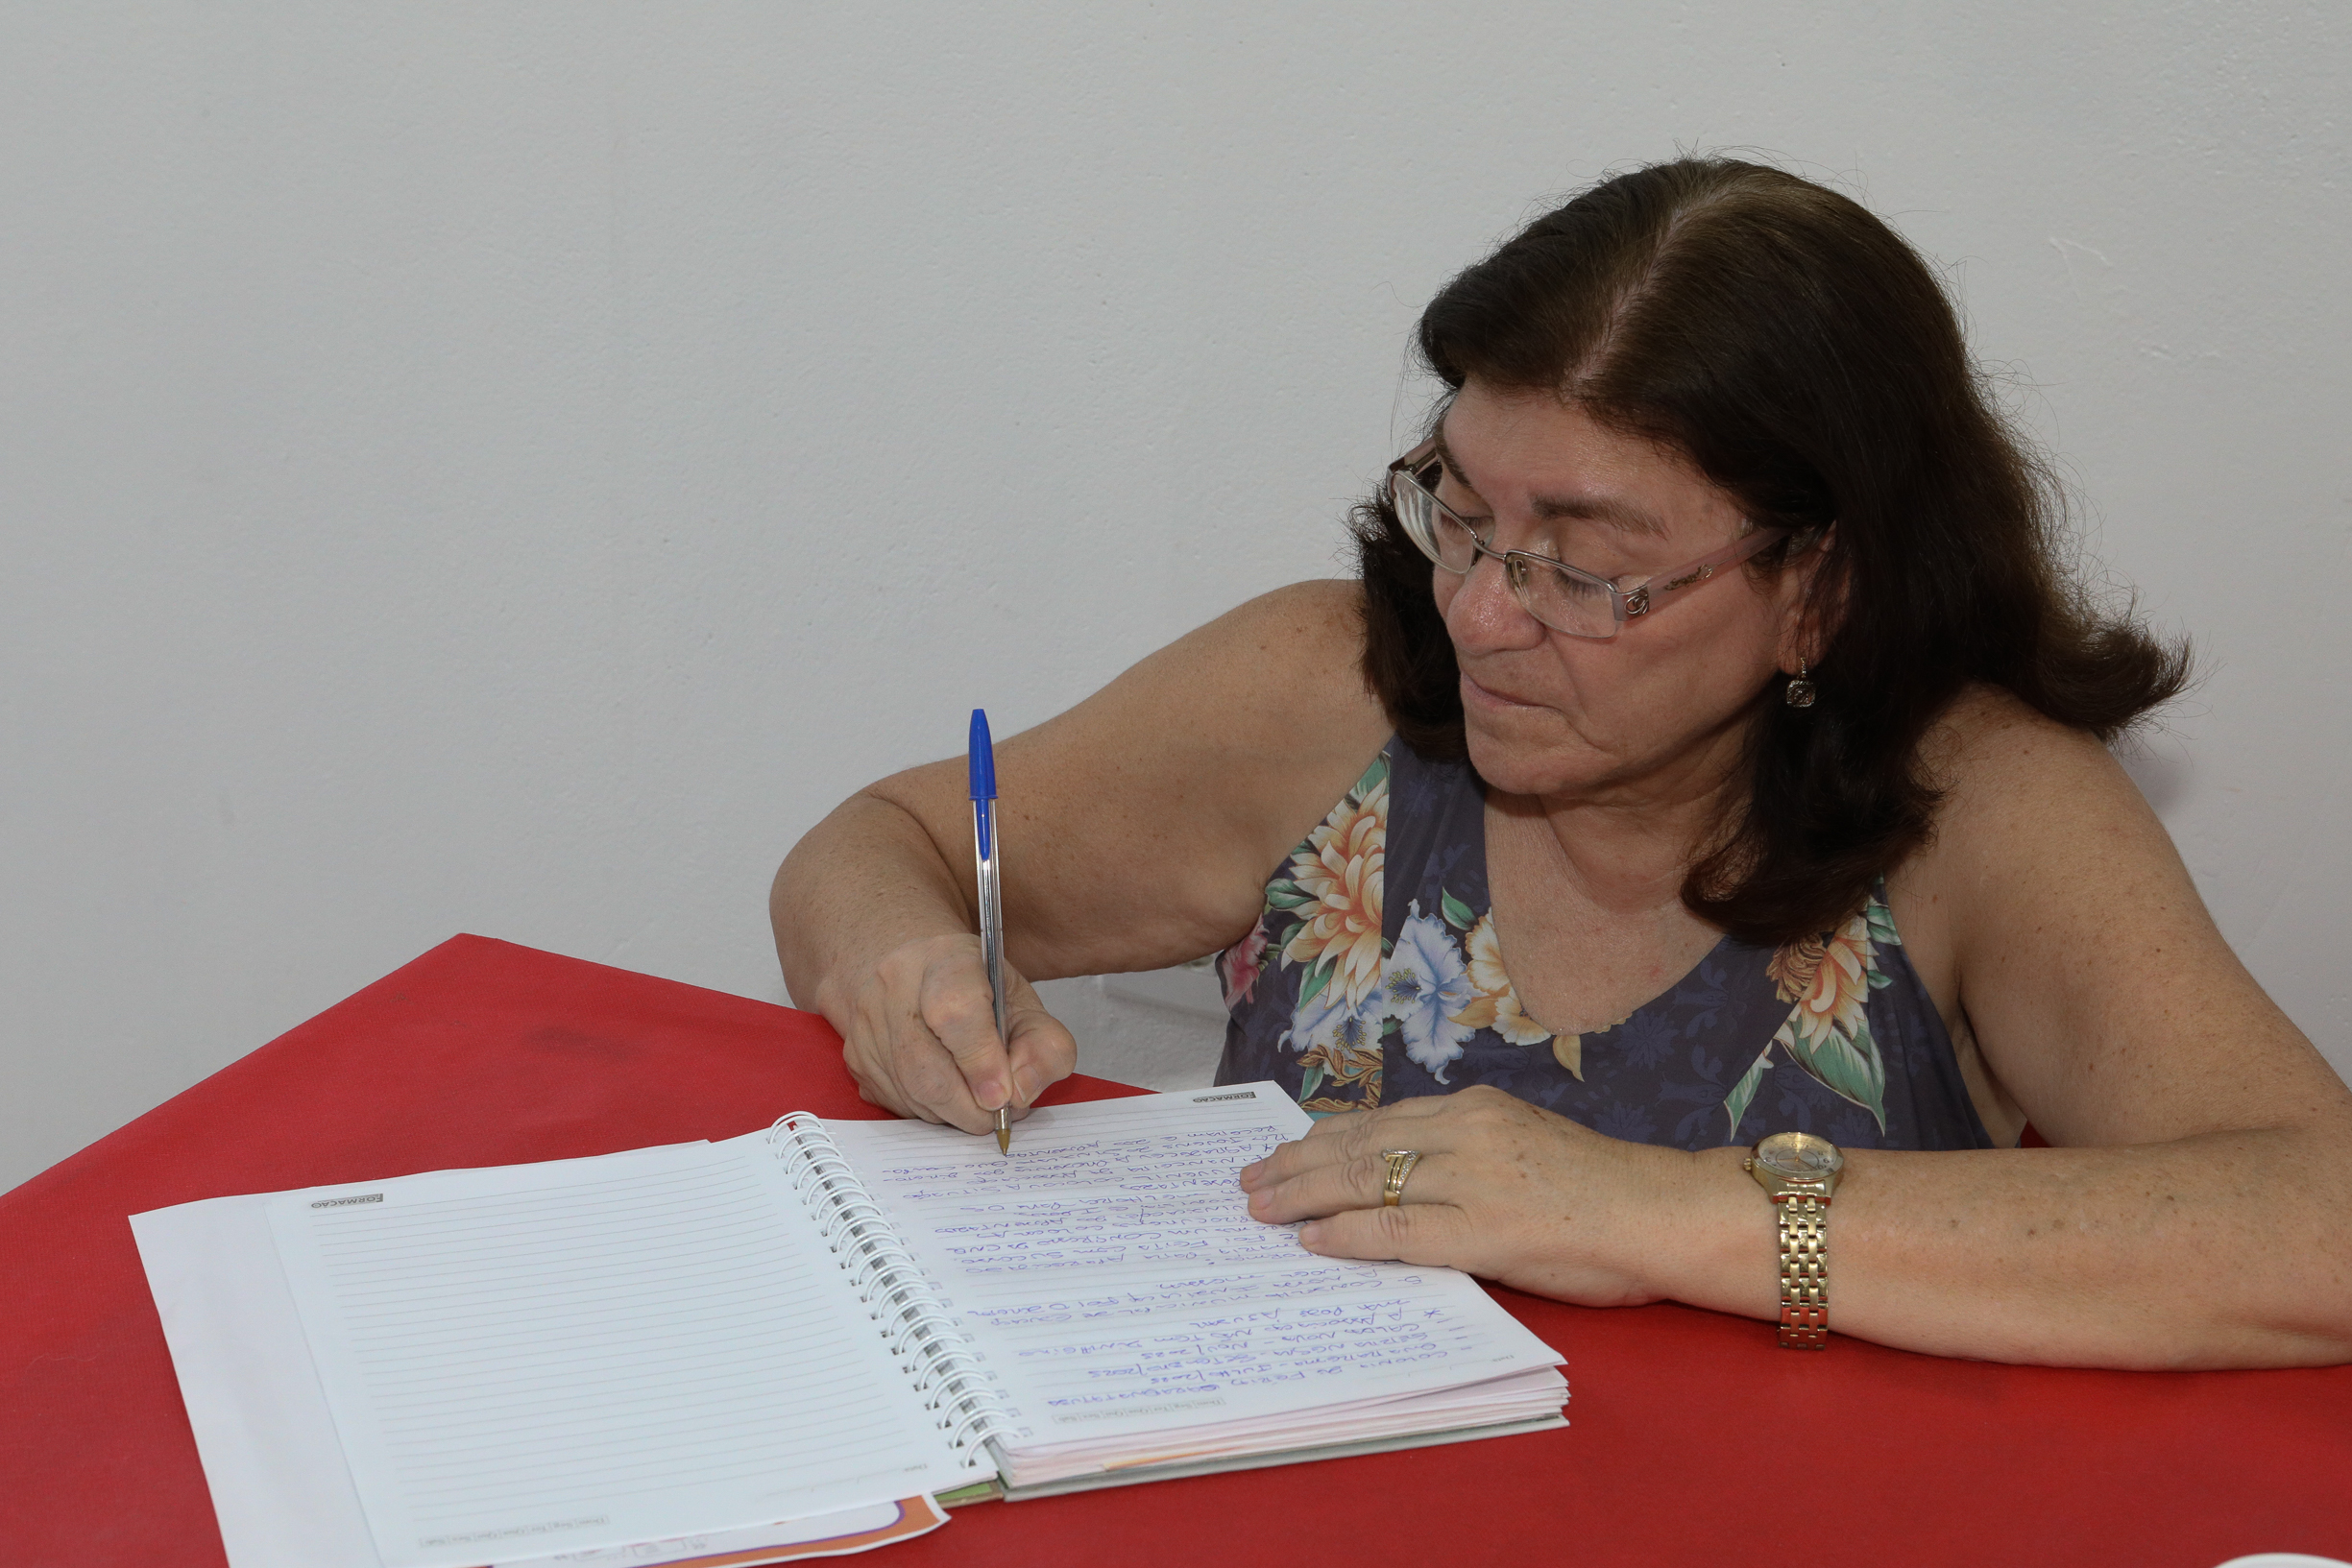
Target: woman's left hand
{"points": [[1503, 1190]]}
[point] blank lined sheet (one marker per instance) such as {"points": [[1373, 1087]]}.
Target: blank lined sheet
{"points": [[591, 1352]]}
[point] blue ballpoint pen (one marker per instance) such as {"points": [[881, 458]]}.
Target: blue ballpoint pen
{"points": [[991, 894]]}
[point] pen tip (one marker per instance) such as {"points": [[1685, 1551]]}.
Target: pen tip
{"points": [[1004, 1141]]}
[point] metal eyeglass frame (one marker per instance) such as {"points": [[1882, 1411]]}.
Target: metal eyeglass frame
{"points": [[1625, 603]]}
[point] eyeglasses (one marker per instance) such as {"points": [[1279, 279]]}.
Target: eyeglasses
{"points": [[1564, 598]]}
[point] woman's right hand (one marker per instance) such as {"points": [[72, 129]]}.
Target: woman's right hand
{"points": [[919, 1035]]}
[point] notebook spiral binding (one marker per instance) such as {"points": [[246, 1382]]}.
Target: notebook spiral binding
{"points": [[913, 1322]]}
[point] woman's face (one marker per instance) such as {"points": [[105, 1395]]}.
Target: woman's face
{"points": [[1659, 707]]}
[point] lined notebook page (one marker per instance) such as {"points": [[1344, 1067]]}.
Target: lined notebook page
{"points": [[1112, 1277], [587, 1353]]}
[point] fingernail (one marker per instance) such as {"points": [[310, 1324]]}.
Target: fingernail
{"points": [[1309, 1235], [1250, 1172], [1025, 1086]]}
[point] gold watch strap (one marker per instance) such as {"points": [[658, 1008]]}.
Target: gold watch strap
{"points": [[1804, 1271]]}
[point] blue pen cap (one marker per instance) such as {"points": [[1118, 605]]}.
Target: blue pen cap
{"points": [[983, 758]]}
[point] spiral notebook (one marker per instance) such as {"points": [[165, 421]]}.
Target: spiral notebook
{"points": [[534, 1360]]}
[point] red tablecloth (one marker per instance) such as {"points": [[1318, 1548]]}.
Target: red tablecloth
{"points": [[1694, 1438]]}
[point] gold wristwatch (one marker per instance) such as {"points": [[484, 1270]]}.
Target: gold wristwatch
{"points": [[1798, 1171]]}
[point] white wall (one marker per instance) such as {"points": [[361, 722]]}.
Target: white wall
{"points": [[510, 468]]}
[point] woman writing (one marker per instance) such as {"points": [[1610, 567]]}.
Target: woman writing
{"points": [[1702, 787]]}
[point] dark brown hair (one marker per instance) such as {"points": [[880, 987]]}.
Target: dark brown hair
{"points": [[1805, 360]]}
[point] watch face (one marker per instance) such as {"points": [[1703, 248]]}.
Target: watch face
{"points": [[1799, 1155]]}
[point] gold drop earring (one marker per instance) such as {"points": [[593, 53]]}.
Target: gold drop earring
{"points": [[1800, 692]]}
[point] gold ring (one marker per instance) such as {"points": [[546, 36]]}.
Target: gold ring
{"points": [[1401, 1162]]}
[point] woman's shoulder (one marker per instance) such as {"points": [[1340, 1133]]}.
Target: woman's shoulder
{"points": [[1319, 623], [2039, 836], [1991, 755], [1287, 667], [2032, 813], [1247, 728]]}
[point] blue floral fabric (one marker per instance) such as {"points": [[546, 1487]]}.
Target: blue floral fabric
{"points": [[1374, 975]]}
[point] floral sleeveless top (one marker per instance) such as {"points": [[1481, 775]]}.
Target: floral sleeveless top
{"points": [[1374, 975]]}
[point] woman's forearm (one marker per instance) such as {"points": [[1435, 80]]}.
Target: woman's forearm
{"points": [[2226, 1249], [865, 880]]}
